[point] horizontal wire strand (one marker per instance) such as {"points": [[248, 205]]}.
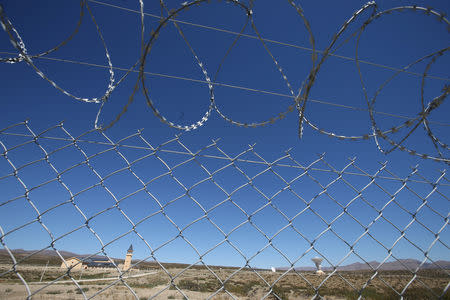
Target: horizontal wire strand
{"points": [[231, 86], [269, 41]]}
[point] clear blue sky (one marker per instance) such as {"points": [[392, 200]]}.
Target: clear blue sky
{"points": [[395, 40]]}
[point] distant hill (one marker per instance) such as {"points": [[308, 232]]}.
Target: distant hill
{"points": [[44, 253], [42, 257], [52, 257], [401, 264]]}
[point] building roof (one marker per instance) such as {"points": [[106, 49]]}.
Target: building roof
{"points": [[100, 264], [98, 259], [73, 257], [130, 250]]}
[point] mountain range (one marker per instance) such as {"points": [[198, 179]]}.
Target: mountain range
{"points": [[401, 264]]}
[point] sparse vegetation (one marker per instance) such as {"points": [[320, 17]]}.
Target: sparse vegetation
{"points": [[201, 283], [85, 289], [281, 293], [149, 283], [203, 286]]}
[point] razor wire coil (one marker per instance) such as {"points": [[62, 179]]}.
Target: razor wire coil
{"points": [[301, 98]]}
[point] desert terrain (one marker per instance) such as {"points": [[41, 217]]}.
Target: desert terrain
{"points": [[214, 282]]}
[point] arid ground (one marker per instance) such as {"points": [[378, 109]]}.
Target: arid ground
{"points": [[201, 283]]}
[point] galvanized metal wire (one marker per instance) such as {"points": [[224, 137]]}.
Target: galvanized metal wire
{"points": [[22, 149], [169, 17]]}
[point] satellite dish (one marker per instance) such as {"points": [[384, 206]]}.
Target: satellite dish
{"points": [[318, 261], [273, 269]]}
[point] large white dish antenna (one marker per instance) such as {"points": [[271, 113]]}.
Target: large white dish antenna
{"points": [[318, 261]]}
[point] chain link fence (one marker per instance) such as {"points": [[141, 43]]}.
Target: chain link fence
{"points": [[210, 225]]}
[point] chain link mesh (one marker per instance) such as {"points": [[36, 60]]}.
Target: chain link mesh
{"points": [[209, 224]]}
